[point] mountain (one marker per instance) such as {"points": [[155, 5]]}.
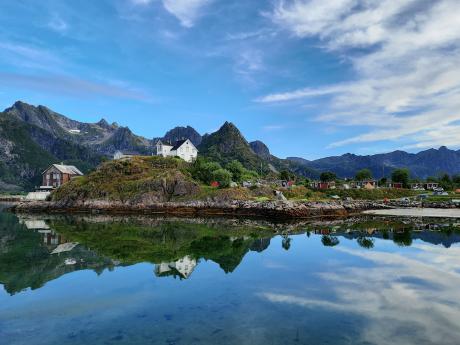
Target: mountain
{"points": [[426, 163], [100, 137], [33, 137], [260, 149], [179, 133], [227, 144]]}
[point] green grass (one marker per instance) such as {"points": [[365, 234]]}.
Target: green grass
{"points": [[373, 194]]}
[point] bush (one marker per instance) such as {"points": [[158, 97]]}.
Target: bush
{"points": [[236, 169], [223, 176], [203, 170]]}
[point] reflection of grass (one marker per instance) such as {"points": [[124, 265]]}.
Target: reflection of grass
{"points": [[164, 241]]}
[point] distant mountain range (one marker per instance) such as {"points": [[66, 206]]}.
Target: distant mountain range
{"points": [[426, 163], [32, 137]]}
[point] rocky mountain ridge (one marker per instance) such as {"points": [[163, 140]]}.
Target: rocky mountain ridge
{"points": [[32, 137]]}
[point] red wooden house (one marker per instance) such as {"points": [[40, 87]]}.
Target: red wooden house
{"points": [[58, 174]]}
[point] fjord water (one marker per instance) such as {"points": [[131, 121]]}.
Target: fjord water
{"points": [[105, 280]]}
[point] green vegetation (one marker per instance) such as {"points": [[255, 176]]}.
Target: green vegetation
{"points": [[138, 179], [374, 194], [401, 176], [364, 174], [227, 145], [164, 241], [328, 176]]}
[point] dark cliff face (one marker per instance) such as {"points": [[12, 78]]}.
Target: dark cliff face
{"points": [[179, 133], [260, 149]]}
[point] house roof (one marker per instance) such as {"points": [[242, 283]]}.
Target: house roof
{"points": [[127, 153], [178, 144], [166, 143], [66, 169]]}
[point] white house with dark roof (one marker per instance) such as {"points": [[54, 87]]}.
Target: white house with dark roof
{"points": [[183, 267], [181, 148]]}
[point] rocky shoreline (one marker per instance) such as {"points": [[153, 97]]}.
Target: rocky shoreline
{"points": [[265, 209]]}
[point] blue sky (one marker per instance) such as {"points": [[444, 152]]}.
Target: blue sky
{"points": [[310, 78]]}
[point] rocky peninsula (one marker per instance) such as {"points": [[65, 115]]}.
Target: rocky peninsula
{"points": [[266, 209]]}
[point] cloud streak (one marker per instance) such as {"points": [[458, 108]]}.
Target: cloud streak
{"points": [[405, 56], [72, 86], [187, 11]]}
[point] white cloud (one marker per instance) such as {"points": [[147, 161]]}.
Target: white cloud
{"points": [[270, 128], [141, 2], [187, 11], [73, 86], [58, 24], [417, 290], [405, 54]]}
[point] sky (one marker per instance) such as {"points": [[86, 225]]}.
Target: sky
{"points": [[310, 78]]}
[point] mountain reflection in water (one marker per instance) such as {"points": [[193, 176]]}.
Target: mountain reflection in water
{"points": [[35, 250], [367, 280]]}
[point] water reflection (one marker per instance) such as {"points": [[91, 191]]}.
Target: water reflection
{"points": [[178, 281], [35, 250]]}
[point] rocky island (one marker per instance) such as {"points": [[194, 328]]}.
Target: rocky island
{"points": [[157, 185]]}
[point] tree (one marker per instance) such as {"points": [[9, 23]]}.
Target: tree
{"points": [[223, 176], [366, 242], [286, 242], [383, 181], [237, 169], [445, 182], [401, 176], [432, 179], [285, 175], [327, 176], [329, 241], [364, 174], [202, 170], [456, 179]]}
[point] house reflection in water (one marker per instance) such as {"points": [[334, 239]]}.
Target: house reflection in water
{"points": [[183, 268], [49, 236]]}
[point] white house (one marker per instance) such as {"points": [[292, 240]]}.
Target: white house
{"points": [[181, 148], [123, 155], [184, 267]]}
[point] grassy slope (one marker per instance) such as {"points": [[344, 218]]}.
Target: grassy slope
{"points": [[126, 179]]}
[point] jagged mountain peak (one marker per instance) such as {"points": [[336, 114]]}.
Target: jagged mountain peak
{"points": [[179, 133], [103, 123]]}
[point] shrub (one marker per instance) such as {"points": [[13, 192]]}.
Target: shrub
{"points": [[203, 170], [223, 176], [237, 170]]}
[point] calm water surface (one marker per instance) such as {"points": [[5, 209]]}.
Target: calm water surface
{"points": [[101, 280]]}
